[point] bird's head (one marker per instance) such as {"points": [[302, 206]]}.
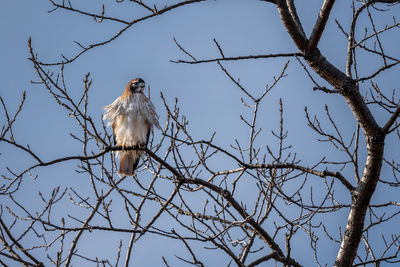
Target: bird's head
{"points": [[136, 85]]}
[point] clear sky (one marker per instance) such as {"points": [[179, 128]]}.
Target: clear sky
{"points": [[210, 101]]}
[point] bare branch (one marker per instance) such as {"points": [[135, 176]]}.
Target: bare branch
{"points": [[320, 24], [194, 61]]}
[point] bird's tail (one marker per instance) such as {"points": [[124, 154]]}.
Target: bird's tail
{"points": [[128, 162]]}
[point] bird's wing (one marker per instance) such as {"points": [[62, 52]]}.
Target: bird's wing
{"points": [[113, 110], [150, 111]]}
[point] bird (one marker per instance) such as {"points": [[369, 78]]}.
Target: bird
{"points": [[132, 117]]}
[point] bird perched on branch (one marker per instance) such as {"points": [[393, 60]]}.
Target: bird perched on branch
{"points": [[132, 116]]}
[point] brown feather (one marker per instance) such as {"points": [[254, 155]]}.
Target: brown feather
{"points": [[129, 162]]}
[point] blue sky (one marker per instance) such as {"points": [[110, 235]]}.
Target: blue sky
{"points": [[210, 101]]}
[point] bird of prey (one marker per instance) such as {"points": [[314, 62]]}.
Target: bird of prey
{"points": [[132, 116]]}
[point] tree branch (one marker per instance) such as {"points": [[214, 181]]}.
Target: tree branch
{"points": [[320, 24], [291, 25], [391, 121], [115, 36], [194, 61], [5, 228]]}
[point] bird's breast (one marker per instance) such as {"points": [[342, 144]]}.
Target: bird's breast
{"points": [[133, 127]]}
